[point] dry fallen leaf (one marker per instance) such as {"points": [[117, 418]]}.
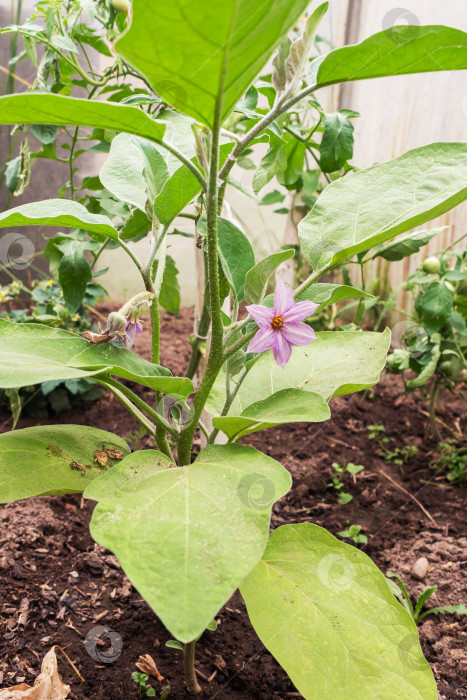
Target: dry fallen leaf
{"points": [[101, 457], [47, 686], [146, 664], [115, 454]]}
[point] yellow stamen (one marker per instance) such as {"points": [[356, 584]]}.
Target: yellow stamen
{"points": [[277, 322]]}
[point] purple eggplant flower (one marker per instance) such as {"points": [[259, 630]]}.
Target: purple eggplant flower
{"points": [[131, 329], [281, 327]]}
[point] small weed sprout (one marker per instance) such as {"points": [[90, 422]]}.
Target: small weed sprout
{"points": [[353, 533], [337, 482], [399, 589]]}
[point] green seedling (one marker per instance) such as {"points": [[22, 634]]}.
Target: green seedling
{"points": [[400, 591], [338, 484], [141, 680], [376, 431], [353, 533]]}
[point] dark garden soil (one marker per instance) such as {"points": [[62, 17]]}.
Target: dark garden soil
{"points": [[56, 584]]}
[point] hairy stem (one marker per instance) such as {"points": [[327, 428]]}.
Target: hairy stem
{"points": [[216, 358], [200, 340], [116, 390], [189, 666]]}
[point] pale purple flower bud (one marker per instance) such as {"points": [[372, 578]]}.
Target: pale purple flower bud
{"points": [[281, 327], [131, 329]]}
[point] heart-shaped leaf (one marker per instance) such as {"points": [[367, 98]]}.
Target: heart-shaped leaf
{"points": [[187, 536], [327, 614], [55, 459]]}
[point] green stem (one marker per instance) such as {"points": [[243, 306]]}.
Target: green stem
{"points": [[228, 402], [433, 396], [189, 666], [216, 354], [117, 390], [200, 341], [70, 161], [127, 393]]}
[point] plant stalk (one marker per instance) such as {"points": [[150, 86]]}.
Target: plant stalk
{"points": [[189, 666]]}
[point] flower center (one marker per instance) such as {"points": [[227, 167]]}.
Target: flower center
{"points": [[277, 322]]}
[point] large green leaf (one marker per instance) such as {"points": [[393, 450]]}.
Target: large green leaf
{"points": [[336, 363], [396, 51], [52, 459], [286, 406], [327, 614], [187, 536], [31, 353], [46, 108], [199, 51], [367, 208], [58, 212]]}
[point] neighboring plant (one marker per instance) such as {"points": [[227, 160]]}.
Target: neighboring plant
{"points": [[188, 534], [453, 461], [434, 341], [354, 533], [337, 482], [417, 612], [46, 305]]}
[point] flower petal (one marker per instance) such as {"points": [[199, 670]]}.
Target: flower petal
{"points": [[300, 311], [261, 314], [262, 341], [283, 298], [298, 333], [282, 350]]}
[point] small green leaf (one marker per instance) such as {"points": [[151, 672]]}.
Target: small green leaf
{"points": [[257, 277], [170, 292], [173, 644], [46, 133], [312, 598], [336, 146], [136, 226], [408, 245], [52, 460], [220, 505], [74, 273]]}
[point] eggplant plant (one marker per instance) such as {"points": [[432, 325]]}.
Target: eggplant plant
{"points": [[189, 533]]}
